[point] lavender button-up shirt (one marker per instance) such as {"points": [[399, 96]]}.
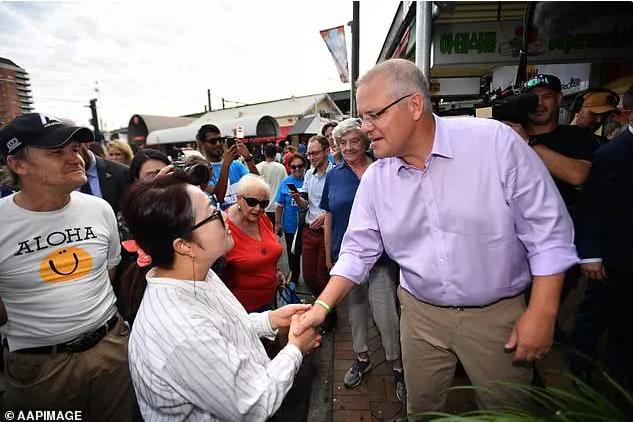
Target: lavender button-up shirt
{"points": [[470, 229]]}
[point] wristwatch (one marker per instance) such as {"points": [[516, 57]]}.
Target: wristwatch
{"points": [[533, 141]]}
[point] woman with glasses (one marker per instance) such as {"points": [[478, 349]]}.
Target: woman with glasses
{"points": [[194, 352], [287, 212], [251, 266]]}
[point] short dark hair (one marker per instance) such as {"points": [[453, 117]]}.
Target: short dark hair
{"points": [[156, 211], [204, 129], [270, 150], [322, 140], [327, 125], [141, 157], [296, 156]]}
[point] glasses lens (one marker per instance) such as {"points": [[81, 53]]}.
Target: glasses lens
{"points": [[300, 166], [212, 141], [252, 202]]}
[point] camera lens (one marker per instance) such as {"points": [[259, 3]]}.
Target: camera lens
{"points": [[198, 174]]}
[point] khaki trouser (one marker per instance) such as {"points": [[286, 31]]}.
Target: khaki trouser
{"points": [[96, 381], [434, 338]]}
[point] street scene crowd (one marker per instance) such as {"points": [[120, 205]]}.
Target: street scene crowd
{"points": [[139, 286]]}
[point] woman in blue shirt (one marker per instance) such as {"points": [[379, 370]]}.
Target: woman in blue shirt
{"points": [[287, 211]]}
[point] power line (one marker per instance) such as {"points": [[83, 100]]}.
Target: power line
{"points": [[60, 99]]}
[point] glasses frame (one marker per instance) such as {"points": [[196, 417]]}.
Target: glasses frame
{"points": [[372, 117], [313, 153], [300, 166], [216, 214], [263, 203]]}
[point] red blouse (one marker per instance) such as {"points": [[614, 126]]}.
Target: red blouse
{"points": [[251, 266]]}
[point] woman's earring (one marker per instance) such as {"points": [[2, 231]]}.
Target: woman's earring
{"points": [[239, 207]]}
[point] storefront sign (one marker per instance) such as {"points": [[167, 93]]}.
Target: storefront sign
{"points": [[498, 43]]}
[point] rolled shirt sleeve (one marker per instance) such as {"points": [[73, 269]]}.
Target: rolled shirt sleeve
{"points": [[542, 222]]}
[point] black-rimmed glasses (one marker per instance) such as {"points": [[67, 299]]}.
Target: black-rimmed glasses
{"points": [[297, 167], [312, 153], [216, 214], [372, 117]]}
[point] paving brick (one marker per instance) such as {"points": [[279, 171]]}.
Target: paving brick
{"points": [[376, 387], [342, 364], [350, 403], [351, 416], [387, 410], [344, 354], [342, 345], [340, 389], [382, 368]]}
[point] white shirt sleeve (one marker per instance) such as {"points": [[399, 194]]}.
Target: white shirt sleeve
{"points": [[213, 373], [262, 325]]}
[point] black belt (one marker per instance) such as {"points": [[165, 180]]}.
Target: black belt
{"points": [[461, 308], [80, 344]]}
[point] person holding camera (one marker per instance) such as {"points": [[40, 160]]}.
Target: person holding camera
{"points": [[593, 107], [222, 153], [195, 353]]}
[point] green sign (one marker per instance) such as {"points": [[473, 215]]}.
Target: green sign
{"points": [[468, 42]]}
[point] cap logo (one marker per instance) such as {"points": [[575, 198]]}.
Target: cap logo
{"points": [[49, 121], [13, 144]]}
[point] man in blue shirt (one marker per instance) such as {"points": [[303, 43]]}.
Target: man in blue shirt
{"points": [[227, 172]]}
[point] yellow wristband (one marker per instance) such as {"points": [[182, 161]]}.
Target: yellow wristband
{"points": [[325, 305]]}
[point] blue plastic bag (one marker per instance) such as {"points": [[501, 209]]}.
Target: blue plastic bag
{"points": [[287, 295]]}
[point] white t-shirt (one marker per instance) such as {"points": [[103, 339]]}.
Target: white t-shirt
{"points": [[195, 355], [273, 173], [54, 270]]}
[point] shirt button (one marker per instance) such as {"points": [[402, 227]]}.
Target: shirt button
{"points": [[442, 259], [436, 230]]}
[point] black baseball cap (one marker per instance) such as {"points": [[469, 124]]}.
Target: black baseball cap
{"points": [[547, 81], [39, 131]]}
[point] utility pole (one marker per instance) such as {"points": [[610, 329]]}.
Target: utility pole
{"points": [[222, 103], [209, 98], [95, 119], [355, 51]]}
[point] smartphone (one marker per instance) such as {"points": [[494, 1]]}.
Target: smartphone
{"points": [[230, 141], [292, 187]]}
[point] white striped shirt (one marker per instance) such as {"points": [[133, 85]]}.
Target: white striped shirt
{"points": [[196, 355]]}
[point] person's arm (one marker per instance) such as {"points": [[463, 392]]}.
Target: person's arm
{"points": [[248, 158], [215, 374], [3, 313], [543, 225], [279, 212], [590, 215], [223, 178], [301, 197], [361, 248], [570, 170]]}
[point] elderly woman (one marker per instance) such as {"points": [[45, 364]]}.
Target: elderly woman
{"points": [[194, 352], [251, 266], [340, 188], [120, 151]]}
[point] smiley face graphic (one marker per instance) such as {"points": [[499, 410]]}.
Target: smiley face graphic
{"points": [[65, 264]]}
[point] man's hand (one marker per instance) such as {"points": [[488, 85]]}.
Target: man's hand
{"points": [[594, 271], [307, 341], [280, 318], [230, 154], [278, 230], [318, 222], [519, 130], [328, 263], [311, 319], [532, 336], [242, 150], [165, 170], [295, 195]]}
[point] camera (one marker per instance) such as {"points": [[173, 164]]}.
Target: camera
{"points": [[509, 105], [197, 174]]}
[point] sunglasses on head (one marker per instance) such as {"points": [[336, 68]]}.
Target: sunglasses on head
{"points": [[297, 166], [216, 214], [253, 202]]}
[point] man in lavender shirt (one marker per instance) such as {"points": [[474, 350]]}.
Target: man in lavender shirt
{"points": [[472, 216]]}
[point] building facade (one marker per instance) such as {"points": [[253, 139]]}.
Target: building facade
{"points": [[15, 91]]}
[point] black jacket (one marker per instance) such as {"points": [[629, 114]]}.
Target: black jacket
{"points": [[113, 180], [604, 224]]}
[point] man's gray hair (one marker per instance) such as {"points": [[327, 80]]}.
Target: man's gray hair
{"points": [[251, 183], [347, 126], [403, 78], [14, 179]]}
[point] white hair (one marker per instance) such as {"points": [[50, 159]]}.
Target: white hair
{"points": [[352, 124], [403, 78], [251, 183]]}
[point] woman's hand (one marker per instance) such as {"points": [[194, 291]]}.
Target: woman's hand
{"points": [[280, 318], [281, 279]]}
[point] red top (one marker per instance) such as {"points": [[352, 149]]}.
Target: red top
{"points": [[251, 266]]}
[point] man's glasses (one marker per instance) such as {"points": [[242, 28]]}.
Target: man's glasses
{"points": [[216, 214], [313, 153], [253, 202], [372, 117], [213, 141], [297, 167]]}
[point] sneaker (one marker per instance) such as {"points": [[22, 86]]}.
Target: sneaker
{"points": [[401, 390], [354, 375]]}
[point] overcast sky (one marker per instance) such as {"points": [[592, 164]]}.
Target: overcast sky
{"points": [[160, 57]]}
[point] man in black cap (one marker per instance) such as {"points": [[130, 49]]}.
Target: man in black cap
{"points": [[65, 344]]}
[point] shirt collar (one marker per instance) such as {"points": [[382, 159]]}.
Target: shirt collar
{"points": [[441, 143], [630, 128], [92, 167], [344, 164]]}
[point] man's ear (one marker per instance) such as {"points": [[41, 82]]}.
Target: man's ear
{"points": [[416, 106], [183, 247], [18, 166]]}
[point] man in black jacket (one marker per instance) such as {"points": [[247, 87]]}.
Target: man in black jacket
{"points": [[604, 238], [106, 179]]}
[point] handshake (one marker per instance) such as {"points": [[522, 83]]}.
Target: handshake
{"points": [[305, 338]]}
